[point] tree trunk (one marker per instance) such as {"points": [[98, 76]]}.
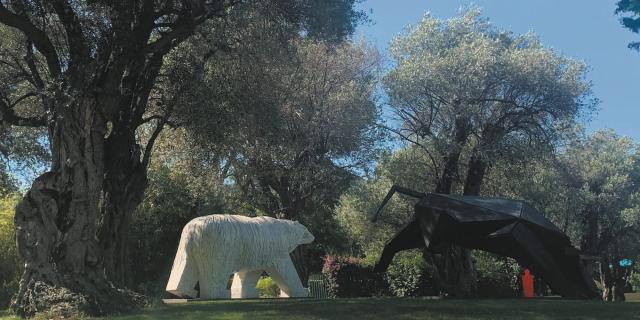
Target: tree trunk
{"points": [[124, 186], [475, 175], [451, 159], [612, 280], [58, 222], [455, 266], [456, 271]]}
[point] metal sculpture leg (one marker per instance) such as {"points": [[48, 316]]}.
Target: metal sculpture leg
{"points": [[409, 237]]}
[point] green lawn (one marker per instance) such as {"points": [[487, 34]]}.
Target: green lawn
{"points": [[5, 315], [388, 308]]}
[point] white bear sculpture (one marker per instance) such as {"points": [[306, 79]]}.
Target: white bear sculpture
{"points": [[214, 247]]}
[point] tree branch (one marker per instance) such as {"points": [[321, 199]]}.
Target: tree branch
{"points": [[162, 120], [39, 38], [146, 158], [10, 117], [188, 20], [36, 79], [158, 117], [415, 142], [75, 38]]}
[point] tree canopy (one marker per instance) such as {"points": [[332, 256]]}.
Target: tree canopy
{"points": [[465, 91], [147, 113], [297, 117], [89, 73], [631, 8]]}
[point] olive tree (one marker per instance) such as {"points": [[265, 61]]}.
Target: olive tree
{"points": [[299, 121], [589, 188], [464, 90], [84, 71], [605, 170]]}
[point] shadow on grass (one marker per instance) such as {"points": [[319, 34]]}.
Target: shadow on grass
{"points": [[391, 308]]}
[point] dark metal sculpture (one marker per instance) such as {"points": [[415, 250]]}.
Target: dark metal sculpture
{"points": [[506, 227]]}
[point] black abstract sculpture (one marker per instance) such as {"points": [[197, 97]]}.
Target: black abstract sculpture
{"points": [[506, 227]]}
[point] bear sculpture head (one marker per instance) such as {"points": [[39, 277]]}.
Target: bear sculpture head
{"points": [[299, 234], [306, 236]]}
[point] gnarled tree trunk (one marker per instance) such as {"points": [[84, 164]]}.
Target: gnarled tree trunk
{"points": [[124, 186], [457, 274], [65, 222]]}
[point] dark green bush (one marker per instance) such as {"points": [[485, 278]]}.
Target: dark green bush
{"points": [[634, 278], [408, 275], [498, 277], [346, 277]]}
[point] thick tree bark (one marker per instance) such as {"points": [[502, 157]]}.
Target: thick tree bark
{"points": [[72, 225], [124, 186], [457, 274], [57, 222], [475, 175]]}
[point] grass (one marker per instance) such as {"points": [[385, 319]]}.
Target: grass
{"points": [[386, 308], [6, 315]]}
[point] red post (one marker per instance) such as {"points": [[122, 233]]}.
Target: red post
{"points": [[527, 284]]}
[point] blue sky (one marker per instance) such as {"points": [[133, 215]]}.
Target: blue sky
{"points": [[586, 30]]}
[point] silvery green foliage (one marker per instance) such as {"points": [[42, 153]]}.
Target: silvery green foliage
{"points": [[213, 247], [590, 189], [605, 168], [355, 208], [23, 151], [507, 88]]}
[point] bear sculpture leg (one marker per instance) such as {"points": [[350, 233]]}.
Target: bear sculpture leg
{"points": [[244, 284], [213, 284], [183, 279], [284, 274]]}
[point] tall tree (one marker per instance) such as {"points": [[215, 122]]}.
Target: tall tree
{"points": [[605, 170], [632, 21], [300, 120], [85, 71], [465, 90], [589, 189]]}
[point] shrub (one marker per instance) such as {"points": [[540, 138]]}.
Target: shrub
{"points": [[407, 276], [9, 261], [268, 288], [498, 277], [346, 277], [634, 278]]}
